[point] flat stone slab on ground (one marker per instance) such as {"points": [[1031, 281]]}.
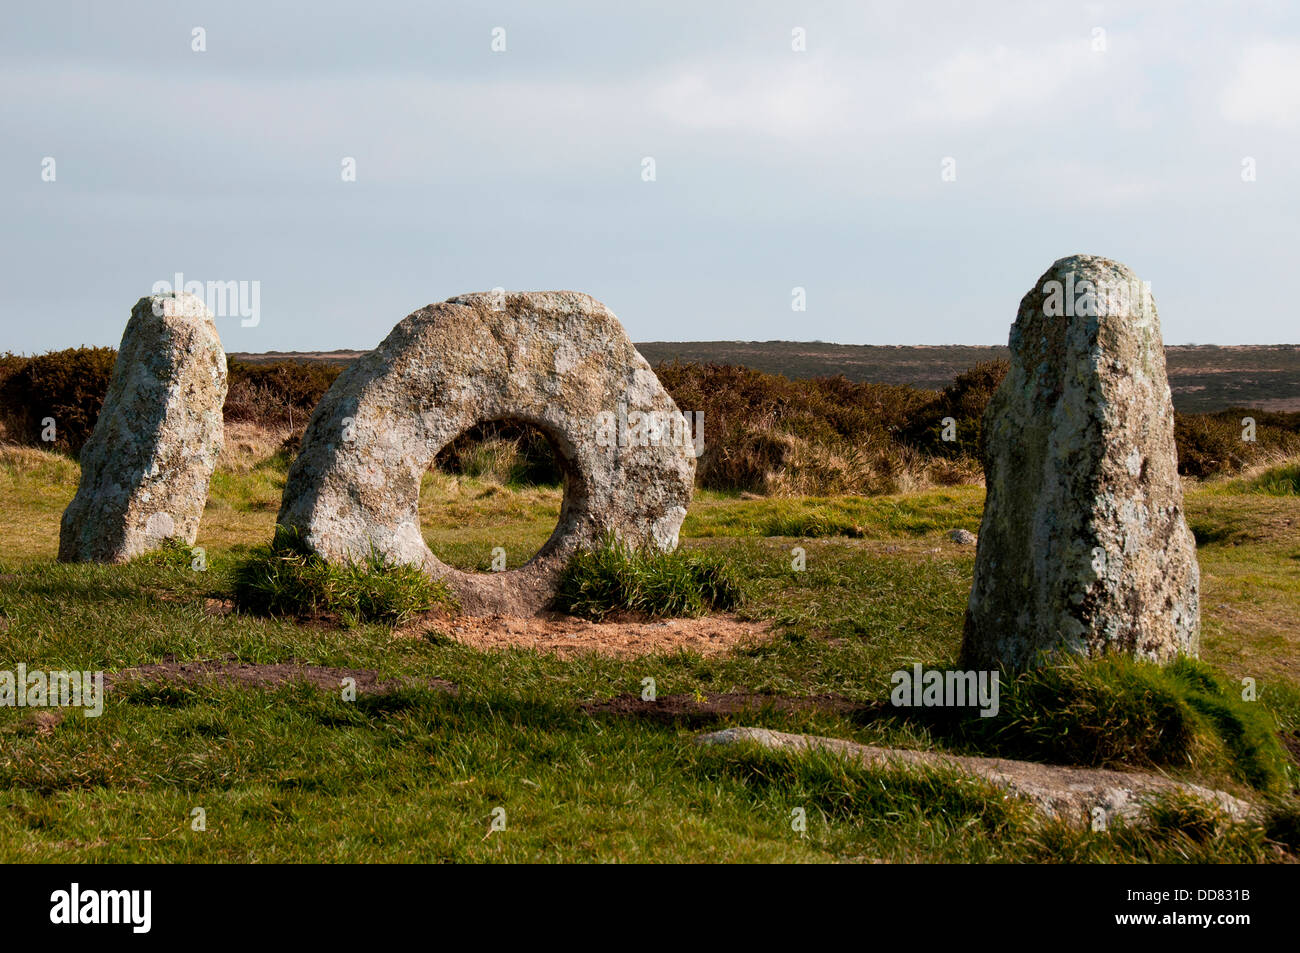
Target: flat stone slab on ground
{"points": [[1060, 792]]}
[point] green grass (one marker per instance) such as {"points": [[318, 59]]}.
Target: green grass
{"points": [[284, 579], [1115, 712], [414, 774], [615, 576], [172, 553], [904, 815], [1280, 481], [897, 516]]}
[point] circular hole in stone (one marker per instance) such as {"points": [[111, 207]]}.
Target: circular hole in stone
{"points": [[493, 497]]}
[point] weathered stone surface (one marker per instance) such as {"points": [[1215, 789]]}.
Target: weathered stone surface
{"points": [[146, 467], [1076, 796], [1084, 547], [559, 361], [962, 537]]}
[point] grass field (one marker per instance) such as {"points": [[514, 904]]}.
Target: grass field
{"points": [[413, 772]]}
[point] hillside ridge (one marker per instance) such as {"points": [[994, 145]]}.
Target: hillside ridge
{"points": [[1203, 377]]}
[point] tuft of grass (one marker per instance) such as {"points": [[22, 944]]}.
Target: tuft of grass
{"points": [[811, 524], [284, 579], [1114, 711], [615, 576], [172, 554], [1182, 814], [1279, 481]]}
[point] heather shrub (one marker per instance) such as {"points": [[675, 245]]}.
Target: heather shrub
{"points": [[279, 393], [67, 386], [964, 400], [765, 433], [1212, 445]]}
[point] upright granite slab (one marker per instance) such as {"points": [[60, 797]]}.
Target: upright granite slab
{"points": [[1084, 548], [556, 360], [145, 469]]}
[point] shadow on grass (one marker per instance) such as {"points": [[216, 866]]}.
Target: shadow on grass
{"points": [[77, 584]]}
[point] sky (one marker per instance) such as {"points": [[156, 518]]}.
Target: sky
{"points": [[912, 166]]}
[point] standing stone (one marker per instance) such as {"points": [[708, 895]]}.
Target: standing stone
{"points": [[1084, 548], [558, 361], [146, 467]]}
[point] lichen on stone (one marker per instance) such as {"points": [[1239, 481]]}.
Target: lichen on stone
{"points": [[1083, 547], [146, 467], [554, 360]]}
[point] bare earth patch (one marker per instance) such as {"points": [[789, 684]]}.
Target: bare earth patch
{"points": [[567, 636]]}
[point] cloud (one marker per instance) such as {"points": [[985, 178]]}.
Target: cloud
{"points": [[986, 83], [1266, 88], [752, 97], [776, 167]]}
